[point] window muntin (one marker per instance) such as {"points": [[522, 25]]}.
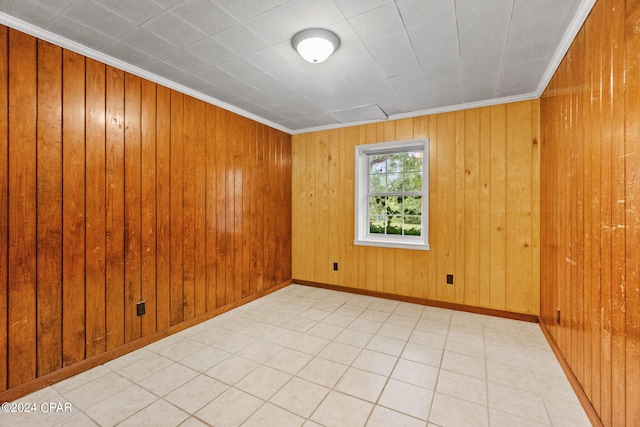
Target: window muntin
{"points": [[392, 194]]}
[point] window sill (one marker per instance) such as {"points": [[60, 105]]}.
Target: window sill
{"points": [[419, 245]]}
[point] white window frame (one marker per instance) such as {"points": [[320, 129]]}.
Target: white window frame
{"points": [[362, 235]]}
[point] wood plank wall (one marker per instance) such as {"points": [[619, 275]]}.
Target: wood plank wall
{"points": [[590, 266], [115, 190], [484, 210]]}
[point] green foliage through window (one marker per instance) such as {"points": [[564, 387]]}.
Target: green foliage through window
{"points": [[395, 188]]}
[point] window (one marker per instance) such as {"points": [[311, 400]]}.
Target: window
{"points": [[392, 194]]}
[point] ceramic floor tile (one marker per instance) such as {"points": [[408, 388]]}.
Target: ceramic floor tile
{"points": [[322, 371], [511, 376], [433, 326], [272, 416], [354, 337], [232, 369], [97, 390], [375, 315], [340, 352], [193, 422], [168, 379], [400, 320], [299, 324], [204, 359], [340, 410], [134, 356], [450, 411], [142, 368], [376, 362], [517, 402], [281, 336], [257, 329], [196, 393], [80, 379], [416, 373], [259, 351], [325, 330], [555, 386], [181, 349], [157, 414], [314, 314], [463, 364], [289, 361], [422, 354], [364, 325], [383, 417], [390, 346], [429, 339], [502, 419], [309, 344], [211, 335], [78, 420], [462, 386], [409, 310], [508, 356], [230, 409], [407, 399], [233, 343], [362, 384], [115, 409], [464, 346], [395, 331], [300, 396], [566, 414], [263, 382], [387, 306]]}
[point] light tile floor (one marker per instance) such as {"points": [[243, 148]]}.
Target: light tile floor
{"points": [[304, 356]]}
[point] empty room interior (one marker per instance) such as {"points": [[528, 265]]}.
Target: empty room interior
{"points": [[320, 213]]}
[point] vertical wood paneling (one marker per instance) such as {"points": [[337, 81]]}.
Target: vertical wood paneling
{"points": [[177, 177], [211, 215], [590, 123], [200, 228], [149, 201], [221, 208], [188, 210], [49, 257], [632, 197], [163, 207], [95, 207], [22, 209], [132, 206], [114, 190], [115, 207], [481, 162], [4, 201], [73, 208]]}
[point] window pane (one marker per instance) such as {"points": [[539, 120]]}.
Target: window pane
{"points": [[378, 163], [412, 226], [394, 182], [377, 205], [377, 224], [412, 205], [413, 161], [396, 162], [412, 181], [394, 205], [378, 183], [394, 224]]}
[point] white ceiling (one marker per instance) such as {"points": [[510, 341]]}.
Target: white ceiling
{"points": [[404, 57]]}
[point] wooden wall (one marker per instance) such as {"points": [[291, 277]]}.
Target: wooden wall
{"points": [[115, 190], [590, 123], [484, 210]]}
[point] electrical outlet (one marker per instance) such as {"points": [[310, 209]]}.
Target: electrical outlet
{"points": [[449, 279], [335, 266], [140, 308]]}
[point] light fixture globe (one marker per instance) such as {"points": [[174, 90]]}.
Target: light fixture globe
{"points": [[315, 44]]}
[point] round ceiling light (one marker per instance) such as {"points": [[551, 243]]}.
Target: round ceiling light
{"points": [[315, 44]]}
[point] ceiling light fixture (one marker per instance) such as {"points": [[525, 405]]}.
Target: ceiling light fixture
{"points": [[315, 44]]}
